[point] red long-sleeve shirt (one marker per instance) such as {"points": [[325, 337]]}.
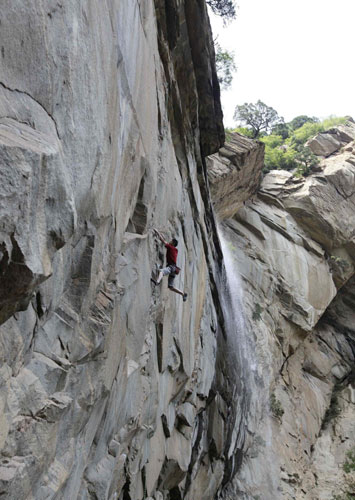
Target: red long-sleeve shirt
{"points": [[171, 254]]}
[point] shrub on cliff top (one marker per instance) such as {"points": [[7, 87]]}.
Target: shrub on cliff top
{"points": [[310, 129], [223, 8], [283, 153]]}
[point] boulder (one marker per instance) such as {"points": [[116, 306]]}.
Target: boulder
{"points": [[327, 143], [234, 173]]}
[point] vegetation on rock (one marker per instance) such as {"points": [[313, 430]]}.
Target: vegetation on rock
{"points": [[276, 407], [349, 469], [285, 143], [333, 410], [225, 66], [349, 464], [257, 312], [224, 8]]}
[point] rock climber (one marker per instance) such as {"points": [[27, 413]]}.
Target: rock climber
{"points": [[171, 269]]}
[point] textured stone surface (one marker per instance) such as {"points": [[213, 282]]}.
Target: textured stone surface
{"points": [[327, 143], [293, 247], [234, 173], [108, 387]]}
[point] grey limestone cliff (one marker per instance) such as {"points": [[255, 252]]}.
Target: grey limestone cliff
{"points": [[293, 246], [109, 389]]}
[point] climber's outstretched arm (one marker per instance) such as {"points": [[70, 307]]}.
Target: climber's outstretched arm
{"points": [[160, 236]]}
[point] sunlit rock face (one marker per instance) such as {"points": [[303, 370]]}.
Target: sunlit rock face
{"points": [[327, 143], [293, 245], [109, 387]]}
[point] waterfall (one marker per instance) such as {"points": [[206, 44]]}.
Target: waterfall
{"points": [[257, 475], [235, 316]]}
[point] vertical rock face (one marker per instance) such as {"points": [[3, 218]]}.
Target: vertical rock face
{"points": [[293, 245], [112, 389], [109, 387]]}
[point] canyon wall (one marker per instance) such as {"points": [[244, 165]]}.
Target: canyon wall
{"points": [[293, 244], [110, 388]]}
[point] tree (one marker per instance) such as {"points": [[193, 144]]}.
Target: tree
{"points": [[301, 120], [224, 8], [308, 129], [258, 116], [281, 129], [306, 161], [225, 66]]}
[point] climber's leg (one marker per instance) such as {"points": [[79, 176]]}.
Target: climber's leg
{"points": [[162, 272], [160, 276], [173, 289]]}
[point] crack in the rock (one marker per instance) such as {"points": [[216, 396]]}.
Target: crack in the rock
{"points": [[343, 195], [141, 20], [36, 101], [28, 123]]}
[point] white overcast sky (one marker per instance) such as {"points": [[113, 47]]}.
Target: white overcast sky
{"points": [[297, 56]]}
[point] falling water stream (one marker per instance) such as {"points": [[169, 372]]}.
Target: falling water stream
{"points": [[257, 477]]}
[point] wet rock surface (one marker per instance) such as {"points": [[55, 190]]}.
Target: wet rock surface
{"points": [[293, 247]]}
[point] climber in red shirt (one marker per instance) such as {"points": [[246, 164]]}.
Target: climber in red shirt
{"points": [[172, 269]]}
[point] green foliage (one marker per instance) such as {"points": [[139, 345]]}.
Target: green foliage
{"points": [[281, 129], [276, 407], [228, 133], [302, 134], [346, 496], [306, 160], [284, 142], [301, 120], [349, 464], [277, 158], [349, 469], [272, 141], [244, 131], [333, 121], [310, 129], [225, 66], [333, 410], [259, 117], [224, 8], [257, 312], [291, 154], [278, 155]]}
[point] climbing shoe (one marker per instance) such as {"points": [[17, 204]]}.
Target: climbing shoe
{"points": [[184, 297]]}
